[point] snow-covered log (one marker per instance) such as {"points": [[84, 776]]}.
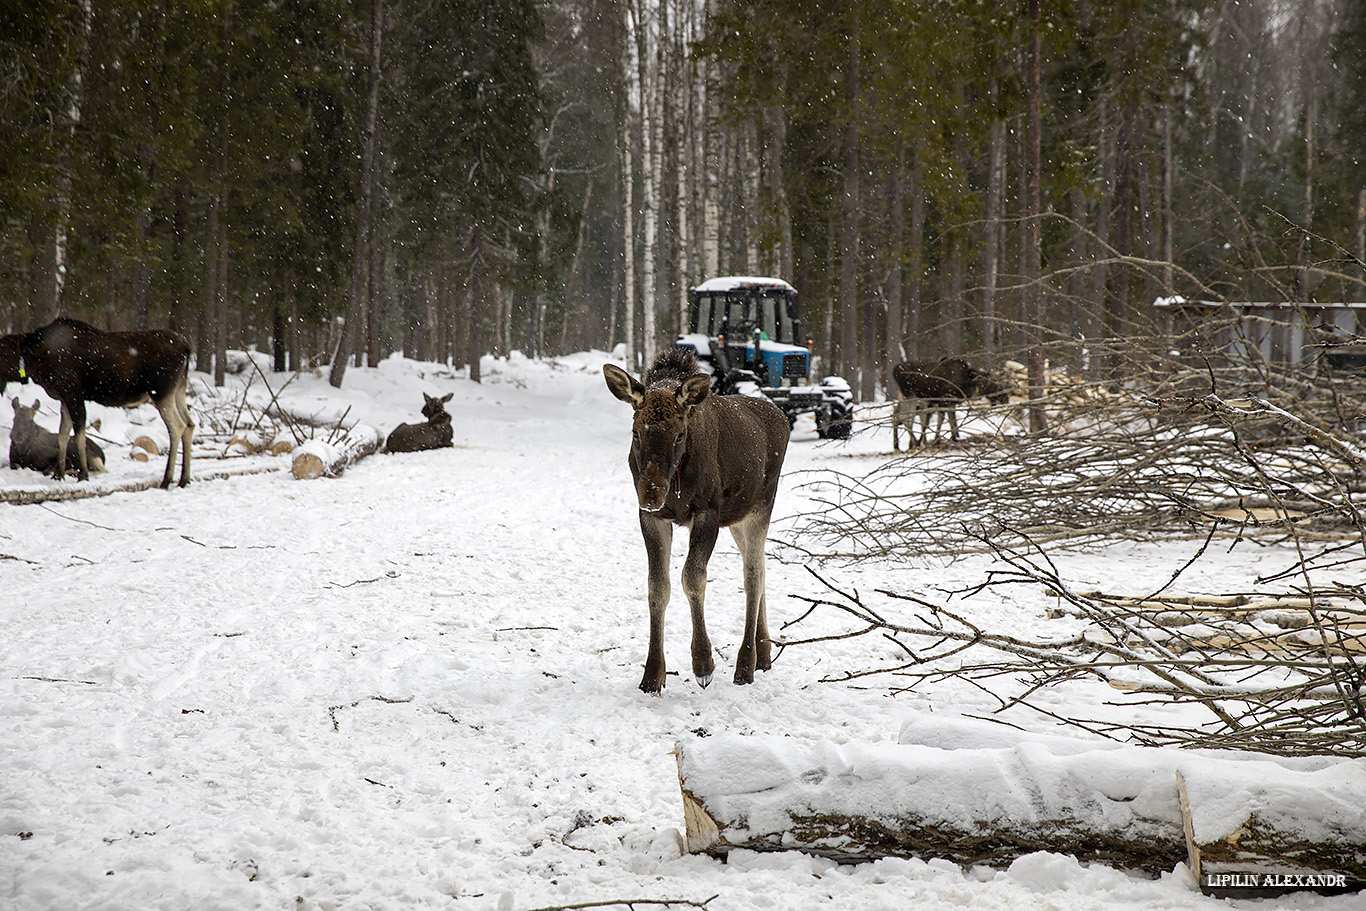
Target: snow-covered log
{"points": [[317, 458], [1020, 794], [1279, 832]]}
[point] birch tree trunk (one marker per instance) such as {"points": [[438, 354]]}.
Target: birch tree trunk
{"points": [[996, 192], [711, 158], [751, 164], [915, 259], [685, 126], [649, 122], [347, 342], [628, 235], [895, 353]]}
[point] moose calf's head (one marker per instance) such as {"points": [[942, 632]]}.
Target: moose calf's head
{"points": [[659, 433]]}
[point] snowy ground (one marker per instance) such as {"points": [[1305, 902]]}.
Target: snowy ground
{"points": [[415, 685]]}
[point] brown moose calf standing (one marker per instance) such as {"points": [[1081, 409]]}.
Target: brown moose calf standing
{"points": [[704, 462], [31, 446]]}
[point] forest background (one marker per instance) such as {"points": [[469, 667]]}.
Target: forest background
{"points": [[454, 177]]}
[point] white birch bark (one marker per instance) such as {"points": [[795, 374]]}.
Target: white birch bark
{"points": [[628, 237], [711, 164], [750, 160], [649, 123]]}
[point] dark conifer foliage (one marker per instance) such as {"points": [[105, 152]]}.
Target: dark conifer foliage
{"points": [[198, 165]]}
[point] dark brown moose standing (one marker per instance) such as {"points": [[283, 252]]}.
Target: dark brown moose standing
{"points": [[78, 363], [705, 462], [938, 389]]}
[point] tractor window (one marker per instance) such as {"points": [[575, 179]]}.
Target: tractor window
{"points": [[736, 310], [701, 314], [770, 304], [708, 313]]}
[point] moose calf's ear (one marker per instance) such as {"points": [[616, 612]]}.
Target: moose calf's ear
{"points": [[623, 385], [693, 390]]}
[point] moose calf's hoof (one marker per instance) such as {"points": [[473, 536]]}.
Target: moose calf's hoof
{"points": [[704, 680]]}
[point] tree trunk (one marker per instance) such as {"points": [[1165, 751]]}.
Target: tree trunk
{"points": [[996, 190], [846, 356], [646, 91], [220, 297], [1302, 254], [915, 259], [67, 117], [711, 157], [1032, 279], [894, 351], [360, 256], [474, 341], [628, 235], [142, 272]]}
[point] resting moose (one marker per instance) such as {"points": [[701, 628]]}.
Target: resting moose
{"points": [[77, 363], [705, 462], [937, 389], [434, 434], [32, 446]]}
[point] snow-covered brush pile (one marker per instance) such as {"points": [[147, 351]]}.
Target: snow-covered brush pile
{"points": [[1163, 467], [253, 418]]}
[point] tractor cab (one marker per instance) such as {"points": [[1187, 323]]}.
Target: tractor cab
{"points": [[748, 333]]}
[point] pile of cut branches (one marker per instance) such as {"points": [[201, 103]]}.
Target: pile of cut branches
{"points": [[1251, 451], [1177, 450], [1283, 675]]}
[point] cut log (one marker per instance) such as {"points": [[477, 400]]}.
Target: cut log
{"points": [[1117, 804], [317, 458], [1293, 830], [859, 802]]}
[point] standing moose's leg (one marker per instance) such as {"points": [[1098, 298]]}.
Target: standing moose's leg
{"points": [[751, 534], [658, 535], [701, 543], [72, 430], [175, 414]]}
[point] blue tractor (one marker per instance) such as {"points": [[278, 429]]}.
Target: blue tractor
{"points": [[748, 334]]}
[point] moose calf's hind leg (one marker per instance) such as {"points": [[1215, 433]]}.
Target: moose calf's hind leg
{"points": [[750, 535]]}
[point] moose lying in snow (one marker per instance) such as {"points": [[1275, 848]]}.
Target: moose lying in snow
{"points": [[706, 462], [77, 363], [937, 389], [31, 446], [434, 434]]}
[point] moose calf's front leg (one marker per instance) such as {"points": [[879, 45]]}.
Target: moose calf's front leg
{"points": [[658, 537], [701, 543]]}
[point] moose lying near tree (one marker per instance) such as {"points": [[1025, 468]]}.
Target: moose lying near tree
{"points": [[705, 462], [32, 446], [937, 389], [434, 434], [78, 363]]}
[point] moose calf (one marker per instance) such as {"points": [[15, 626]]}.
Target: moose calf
{"points": [[31, 446], [434, 434]]}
